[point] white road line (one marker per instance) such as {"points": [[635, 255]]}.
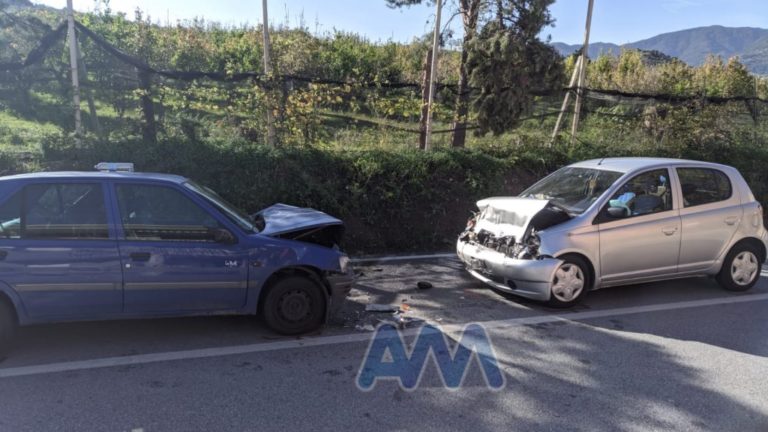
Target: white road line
{"points": [[356, 337], [402, 258]]}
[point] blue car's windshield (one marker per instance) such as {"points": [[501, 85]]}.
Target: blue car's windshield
{"points": [[234, 214], [573, 189]]}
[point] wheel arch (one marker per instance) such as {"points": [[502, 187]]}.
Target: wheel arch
{"points": [[752, 241], [4, 298], [310, 272]]}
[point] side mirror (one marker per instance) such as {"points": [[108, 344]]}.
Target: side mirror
{"points": [[617, 212], [223, 236]]}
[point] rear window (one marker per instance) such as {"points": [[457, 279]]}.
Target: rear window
{"points": [[55, 211], [703, 186]]}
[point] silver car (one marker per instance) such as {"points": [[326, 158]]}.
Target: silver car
{"points": [[618, 221]]}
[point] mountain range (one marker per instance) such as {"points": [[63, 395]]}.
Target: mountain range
{"points": [[694, 45]]}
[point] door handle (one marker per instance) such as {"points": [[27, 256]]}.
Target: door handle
{"points": [[140, 256], [731, 220], [669, 231]]}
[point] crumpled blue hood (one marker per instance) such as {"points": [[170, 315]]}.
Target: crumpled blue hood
{"points": [[284, 218]]}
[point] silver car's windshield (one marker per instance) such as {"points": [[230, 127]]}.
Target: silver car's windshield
{"points": [[573, 189], [230, 211]]}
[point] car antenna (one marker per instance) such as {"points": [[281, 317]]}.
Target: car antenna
{"points": [[601, 161]]}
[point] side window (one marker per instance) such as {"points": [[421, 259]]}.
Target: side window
{"points": [[10, 217], [703, 186], [645, 193], [64, 211], [157, 213]]}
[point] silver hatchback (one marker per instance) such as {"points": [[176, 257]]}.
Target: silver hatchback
{"points": [[618, 221]]}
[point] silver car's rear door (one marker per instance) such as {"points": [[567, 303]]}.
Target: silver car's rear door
{"points": [[711, 211]]}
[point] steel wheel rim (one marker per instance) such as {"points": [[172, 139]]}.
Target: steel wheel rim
{"points": [[295, 306], [568, 282], [744, 268]]}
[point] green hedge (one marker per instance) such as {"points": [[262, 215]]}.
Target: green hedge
{"points": [[391, 201]]}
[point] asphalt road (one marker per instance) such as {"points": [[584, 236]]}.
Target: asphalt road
{"points": [[680, 355]]}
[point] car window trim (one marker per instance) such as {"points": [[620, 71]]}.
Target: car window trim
{"points": [[22, 189], [680, 183], [202, 204], [601, 218]]}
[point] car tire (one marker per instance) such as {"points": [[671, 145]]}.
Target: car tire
{"points": [[8, 327], [570, 282], [741, 268], [294, 305]]}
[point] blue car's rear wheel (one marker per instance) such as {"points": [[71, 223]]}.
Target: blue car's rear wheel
{"points": [[7, 327], [294, 305]]}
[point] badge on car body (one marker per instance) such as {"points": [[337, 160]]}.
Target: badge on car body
{"points": [[230, 263]]}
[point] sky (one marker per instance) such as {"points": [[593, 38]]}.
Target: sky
{"points": [[617, 21]]}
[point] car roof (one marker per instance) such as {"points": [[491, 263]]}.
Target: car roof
{"points": [[97, 175], [628, 164]]}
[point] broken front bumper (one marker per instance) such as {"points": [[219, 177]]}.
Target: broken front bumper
{"points": [[526, 278], [340, 284]]}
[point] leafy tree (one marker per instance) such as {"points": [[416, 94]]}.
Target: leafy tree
{"points": [[470, 14], [509, 64]]}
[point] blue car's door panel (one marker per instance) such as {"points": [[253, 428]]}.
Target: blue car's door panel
{"points": [[68, 279], [58, 251], [170, 276], [171, 260]]}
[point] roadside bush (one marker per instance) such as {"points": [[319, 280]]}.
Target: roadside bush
{"points": [[390, 200]]}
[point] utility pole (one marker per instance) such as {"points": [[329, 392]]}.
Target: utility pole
{"points": [[582, 74], [268, 74], [433, 73], [74, 69], [567, 98]]}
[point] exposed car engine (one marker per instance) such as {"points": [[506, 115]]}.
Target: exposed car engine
{"points": [[526, 246]]}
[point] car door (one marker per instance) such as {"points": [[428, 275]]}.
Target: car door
{"points": [[711, 212], [59, 252], [174, 257], [645, 240]]}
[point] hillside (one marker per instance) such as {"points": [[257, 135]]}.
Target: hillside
{"points": [[694, 45]]}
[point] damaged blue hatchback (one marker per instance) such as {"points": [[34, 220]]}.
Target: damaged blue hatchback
{"points": [[116, 244]]}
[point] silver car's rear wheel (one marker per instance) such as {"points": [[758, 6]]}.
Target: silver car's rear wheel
{"points": [[744, 268], [741, 267]]}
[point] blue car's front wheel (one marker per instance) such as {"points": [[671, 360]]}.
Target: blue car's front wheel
{"points": [[294, 305]]}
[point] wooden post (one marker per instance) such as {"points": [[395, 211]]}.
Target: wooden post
{"points": [[566, 99], [268, 74], [425, 89], [582, 74], [89, 95], [433, 73], [149, 128], [73, 64]]}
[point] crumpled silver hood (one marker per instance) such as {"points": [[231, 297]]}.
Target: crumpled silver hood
{"points": [[508, 216]]}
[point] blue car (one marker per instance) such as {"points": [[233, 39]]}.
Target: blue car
{"points": [[115, 244]]}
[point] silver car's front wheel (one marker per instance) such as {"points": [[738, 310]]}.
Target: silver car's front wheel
{"points": [[570, 282]]}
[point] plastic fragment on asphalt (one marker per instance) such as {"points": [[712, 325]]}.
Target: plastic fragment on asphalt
{"points": [[424, 285], [367, 327], [373, 307]]}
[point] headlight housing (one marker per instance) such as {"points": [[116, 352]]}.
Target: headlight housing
{"points": [[344, 263]]}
